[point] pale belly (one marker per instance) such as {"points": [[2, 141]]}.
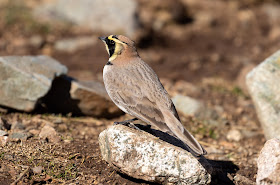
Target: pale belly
{"points": [[106, 70]]}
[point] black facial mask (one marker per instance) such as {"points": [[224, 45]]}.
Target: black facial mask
{"points": [[111, 46]]}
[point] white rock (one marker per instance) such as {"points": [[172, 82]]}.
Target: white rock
{"points": [[269, 163], [264, 88], [144, 156]]}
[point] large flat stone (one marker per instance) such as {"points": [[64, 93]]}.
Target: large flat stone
{"points": [[144, 156], [264, 88], [25, 79]]}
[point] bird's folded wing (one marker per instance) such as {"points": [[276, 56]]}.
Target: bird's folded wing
{"points": [[142, 108]]}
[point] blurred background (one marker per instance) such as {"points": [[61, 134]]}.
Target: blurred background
{"points": [[181, 39], [201, 49]]}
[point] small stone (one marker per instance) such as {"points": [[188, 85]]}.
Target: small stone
{"points": [[192, 107], [36, 41], [19, 136], [3, 133], [37, 169], [3, 140], [34, 132], [269, 163], [18, 126], [144, 156], [234, 135], [49, 133], [187, 105]]}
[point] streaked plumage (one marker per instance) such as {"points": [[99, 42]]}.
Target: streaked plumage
{"points": [[135, 88]]}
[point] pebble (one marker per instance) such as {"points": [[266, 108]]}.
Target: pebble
{"points": [[19, 136], [234, 135], [18, 126], [49, 133], [37, 169]]}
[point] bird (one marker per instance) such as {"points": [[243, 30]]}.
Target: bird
{"points": [[136, 89]]}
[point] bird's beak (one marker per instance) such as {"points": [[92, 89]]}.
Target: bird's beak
{"points": [[102, 38]]}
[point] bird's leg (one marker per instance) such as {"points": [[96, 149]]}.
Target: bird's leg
{"points": [[128, 123]]}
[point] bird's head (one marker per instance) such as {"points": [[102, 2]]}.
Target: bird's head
{"points": [[119, 45]]}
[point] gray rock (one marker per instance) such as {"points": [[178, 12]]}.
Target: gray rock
{"points": [[49, 133], [269, 163], [99, 15], [264, 88], [3, 133], [144, 156], [24, 80], [19, 136], [74, 44]]}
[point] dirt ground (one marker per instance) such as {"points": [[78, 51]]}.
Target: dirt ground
{"points": [[204, 59]]}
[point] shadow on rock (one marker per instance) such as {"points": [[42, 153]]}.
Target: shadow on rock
{"points": [[58, 99], [218, 169], [68, 95]]}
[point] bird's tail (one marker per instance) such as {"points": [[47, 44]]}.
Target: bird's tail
{"points": [[178, 130]]}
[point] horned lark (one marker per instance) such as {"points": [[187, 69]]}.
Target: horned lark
{"points": [[135, 88]]}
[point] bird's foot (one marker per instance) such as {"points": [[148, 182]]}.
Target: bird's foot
{"points": [[127, 123]]}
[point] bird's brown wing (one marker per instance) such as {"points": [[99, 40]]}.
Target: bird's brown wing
{"points": [[141, 107]]}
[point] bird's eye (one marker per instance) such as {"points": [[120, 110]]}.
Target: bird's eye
{"points": [[112, 42]]}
